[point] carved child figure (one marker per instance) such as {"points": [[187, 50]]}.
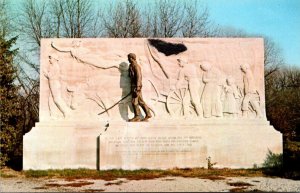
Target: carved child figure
{"points": [[232, 95]]}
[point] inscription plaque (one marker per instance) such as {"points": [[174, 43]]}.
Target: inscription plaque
{"points": [[153, 145], [139, 147]]}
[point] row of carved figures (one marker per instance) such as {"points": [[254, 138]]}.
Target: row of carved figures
{"points": [[220, 98], [216, 99]]}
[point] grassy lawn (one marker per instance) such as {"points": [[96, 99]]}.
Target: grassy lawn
{"points": [[142, 174]]}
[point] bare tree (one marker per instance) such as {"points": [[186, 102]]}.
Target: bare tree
{"points": [[34, 21], [122, 19], [56, 16], [97, 27], [273, 58], [146, 28], [168, 18], [76, 17], [164, 18], [196, 20], [176, 18], [30, 26], [282, 100], [4, 19]]}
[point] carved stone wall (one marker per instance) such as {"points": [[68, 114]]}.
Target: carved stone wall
{"points": [[196, 77], [206, 98]]}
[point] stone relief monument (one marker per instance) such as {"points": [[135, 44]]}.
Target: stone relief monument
{"points": [[201, 97]]}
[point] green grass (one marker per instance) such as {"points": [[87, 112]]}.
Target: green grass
{"points": [[142, 174], [66, 173], [3, 175]]}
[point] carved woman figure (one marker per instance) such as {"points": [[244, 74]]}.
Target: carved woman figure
{"points": [[211, 96], [232, 95], [53, 75]]}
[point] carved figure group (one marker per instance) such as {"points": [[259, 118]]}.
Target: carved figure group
{"points": [[229, 105], [220, 97], [54, 73], [211, 95]]}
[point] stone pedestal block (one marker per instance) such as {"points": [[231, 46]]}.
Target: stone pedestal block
{"points": [[151, 145], [60, 145]]}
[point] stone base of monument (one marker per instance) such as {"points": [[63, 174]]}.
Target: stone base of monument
{"points": [[151, 145], [187, 144], [61, 144]]}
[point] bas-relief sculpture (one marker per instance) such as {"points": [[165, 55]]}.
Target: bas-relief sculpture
{"points": [[187, 86], [53, 74], [208, 89]]}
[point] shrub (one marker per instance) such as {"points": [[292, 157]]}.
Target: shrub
{"points": [[273, 164]]}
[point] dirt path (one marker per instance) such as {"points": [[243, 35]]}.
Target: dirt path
{"points": [[166, 184]]}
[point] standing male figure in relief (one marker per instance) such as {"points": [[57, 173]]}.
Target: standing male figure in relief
{"points": [[251, 93], [189, 74], [135, 74]]}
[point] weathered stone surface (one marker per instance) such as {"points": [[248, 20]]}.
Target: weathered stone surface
{"points": [[161, 145], [212, 88], [153, 145], [61, 144], [77, 85]]}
